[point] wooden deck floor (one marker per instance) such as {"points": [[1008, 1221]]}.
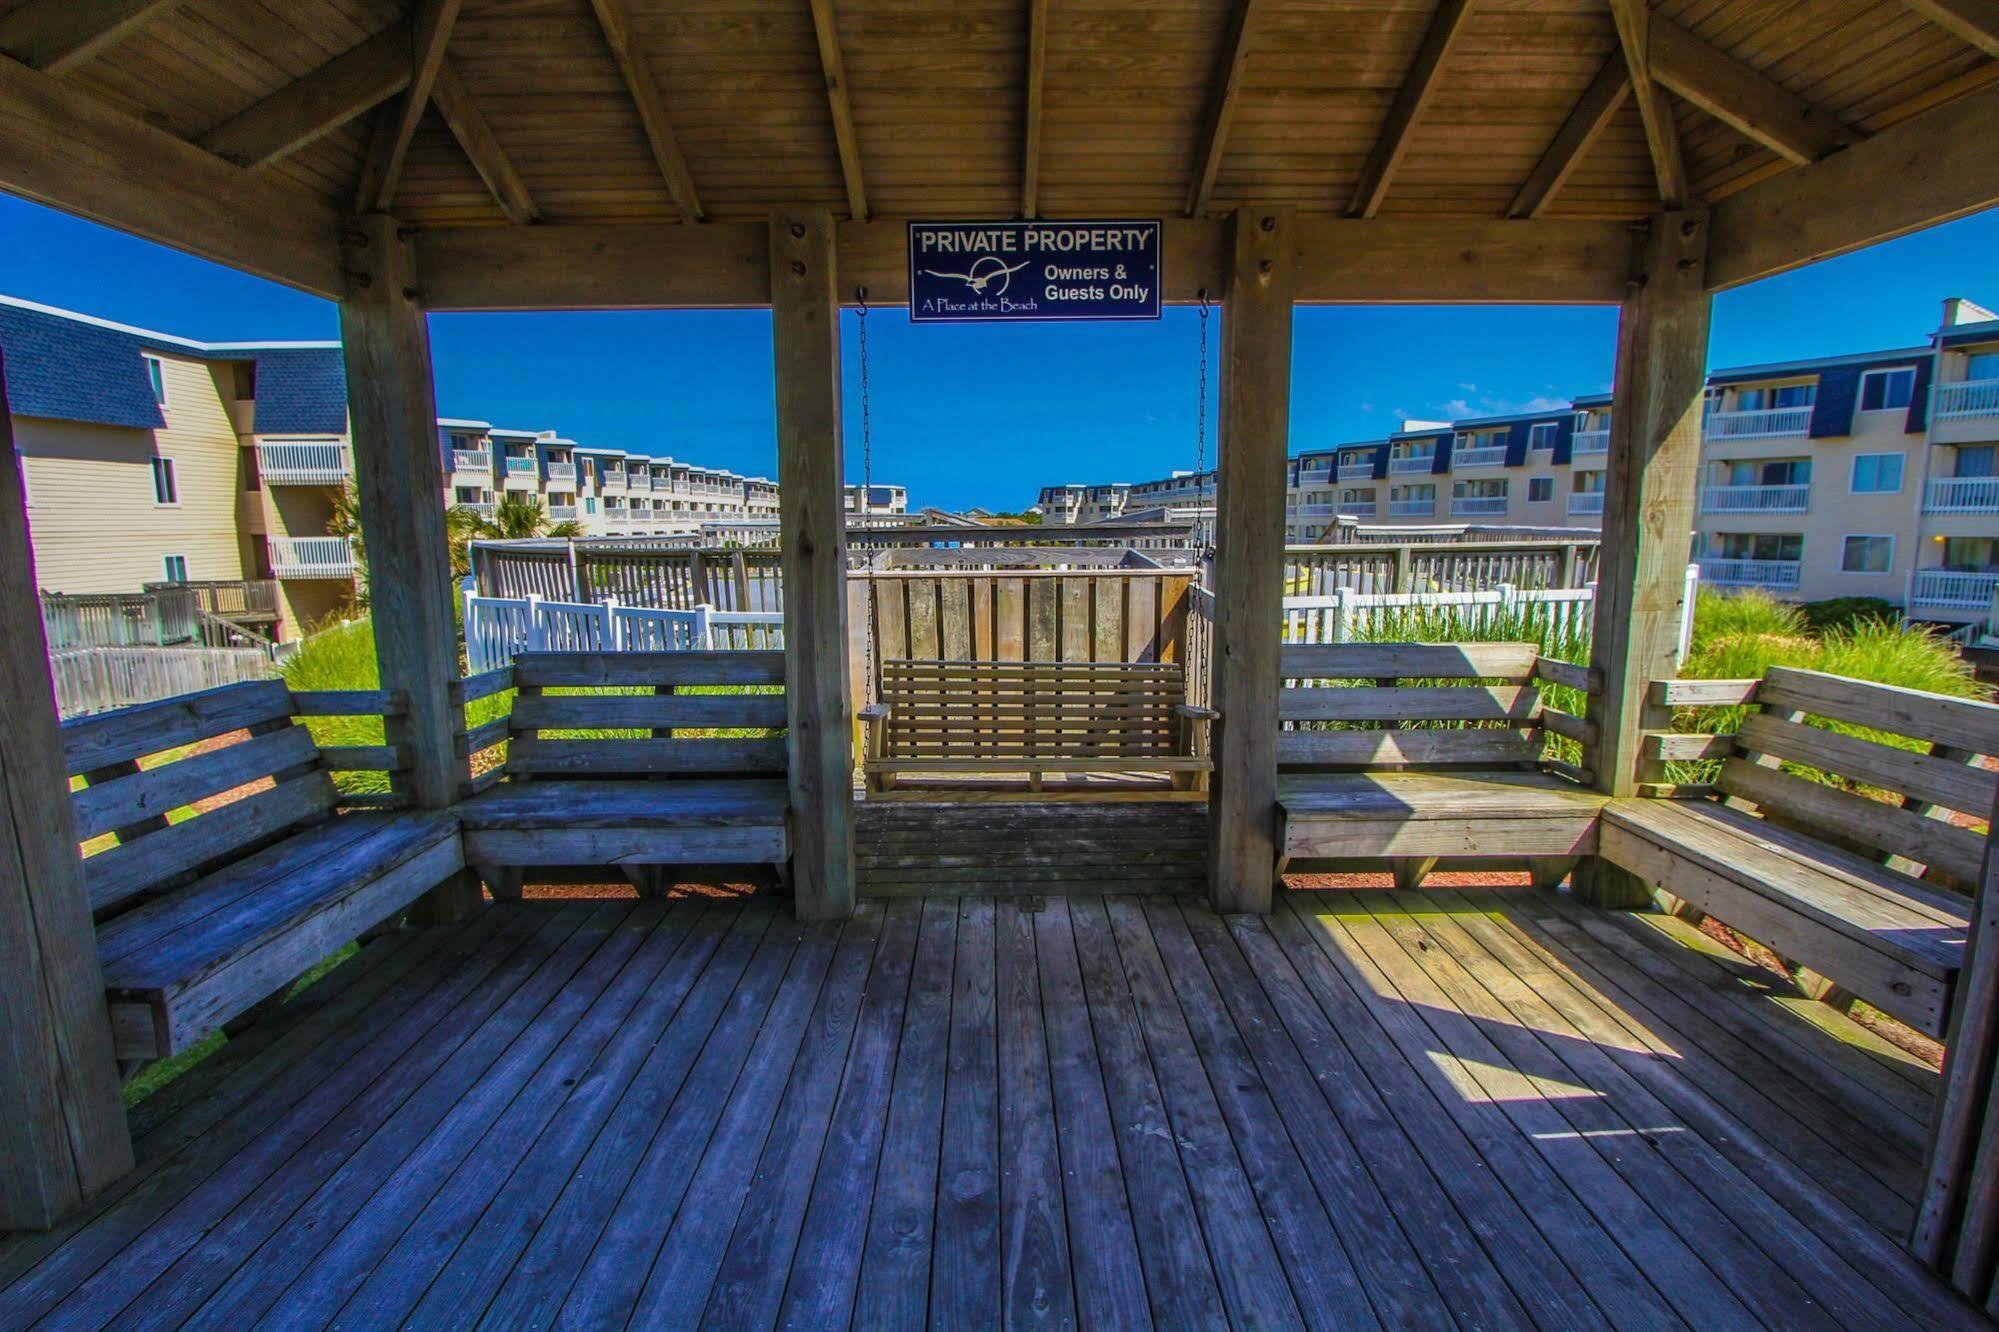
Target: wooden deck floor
{"points": [[1413, 1110]]}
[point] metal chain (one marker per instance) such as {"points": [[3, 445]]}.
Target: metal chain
{"points": [[867, 488]]}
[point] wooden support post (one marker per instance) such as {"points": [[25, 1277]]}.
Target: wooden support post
{"points": [[1261, 273], [1648, 514], [805, 324], [399, 476], [62, 1124]]}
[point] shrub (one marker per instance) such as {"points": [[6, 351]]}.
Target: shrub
{"points": [[1719, 615], [1842, 613]]}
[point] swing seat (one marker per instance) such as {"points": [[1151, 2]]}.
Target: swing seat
{"points": [[1035, 717]]}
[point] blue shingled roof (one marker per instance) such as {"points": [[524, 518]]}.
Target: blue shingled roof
{"points": [[70, 370], [301, 391]]}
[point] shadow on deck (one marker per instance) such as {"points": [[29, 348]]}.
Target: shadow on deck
{"points": [[1418, 1109]]}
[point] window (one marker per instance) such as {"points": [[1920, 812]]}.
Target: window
{"points": [[1770, 472], [175, 567], [1867, 554], [1478, 490], [1982, 365], [1542, 435], [1587, 483], [1887, 390], [1971, 554], [1757, 546], [156, 376], [1765, 399], [589, 504], [1977, 460], [1877, 474], [1540, 489], [166, 490]]}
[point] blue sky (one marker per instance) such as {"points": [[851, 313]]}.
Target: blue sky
{"points": [[987, 414]]}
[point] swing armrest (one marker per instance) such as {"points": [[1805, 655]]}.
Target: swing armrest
{"points": [[1195, 712], [873, 712]]}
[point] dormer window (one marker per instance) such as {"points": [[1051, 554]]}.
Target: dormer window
{"points": [[1887, 390]]}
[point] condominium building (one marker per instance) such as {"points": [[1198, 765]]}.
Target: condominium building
{"points": [[1871, 474]]}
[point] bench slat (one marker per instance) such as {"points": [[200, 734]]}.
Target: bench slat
{"points": [[1411, 703], [155, 791], [1844, 818], [647, 711], [559, 670], [1381, 661], [1940, 781], [119, 736], [1388, 749], [1940, 720], [535, 756]]}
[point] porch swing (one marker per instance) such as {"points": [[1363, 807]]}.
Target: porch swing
{"points": [[971, 717]]}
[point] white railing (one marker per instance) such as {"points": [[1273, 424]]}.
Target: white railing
{"points": [[480, 507], [1357, 509], [1965, 398], [496, 628], [1313, 510], [1491, 455], [1425, 463], [1360, 471], [1958, 589], [1585, 503], [613, 480], [1412, 508], [1589, 442], [471, 460], [312, 557], [561, 512], [1963, 494], [304, 463], [1756, 499], [1763, 424], [1477, 506], [520, 466], [560, 471], [1752, 573]]}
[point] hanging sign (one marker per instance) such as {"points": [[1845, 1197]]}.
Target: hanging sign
{"points": [[962, 271]]}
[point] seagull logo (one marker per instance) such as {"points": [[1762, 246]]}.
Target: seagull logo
{"points": [[986, 270]]}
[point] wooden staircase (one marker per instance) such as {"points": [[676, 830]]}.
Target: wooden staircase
{"points": [[918, 845]]}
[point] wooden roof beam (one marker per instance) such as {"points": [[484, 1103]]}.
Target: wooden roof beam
{"points": [[1740, 97], [1407, 109], [1221, 107], [462, 116], [382, 171], [1662, 135], [55, 36], [1037, 70], [614, 18], [1973, 21], [826, 26], [349, 85], [1586, 123]]}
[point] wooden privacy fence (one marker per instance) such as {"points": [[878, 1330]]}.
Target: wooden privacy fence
{"points": [[97, 679], [1439, 566]]}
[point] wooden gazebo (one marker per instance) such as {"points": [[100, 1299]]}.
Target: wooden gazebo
{"points": [[591, 154]]}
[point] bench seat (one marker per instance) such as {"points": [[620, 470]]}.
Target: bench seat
{"points": [[181, 965], [1426, 815], [1887, 937], [619, 823]]}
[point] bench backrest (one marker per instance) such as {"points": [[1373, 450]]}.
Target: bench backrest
{"points": [[1355, 705], [647, 714], [1943, 775], [1011, 710]]}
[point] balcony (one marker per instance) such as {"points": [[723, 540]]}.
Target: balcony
{"points": [[1358, 509], [1756, 499], [1963, 494], [612, 481], [1770, 423], [312, 557], [1586, 504], [1478, 506], [562, 471], [484, 508], [561, 512], [1751, 573], [1412, 508], [520, 466], [1964, 400], [1314, 510], [304, 463], [1953, 589], [1590, 444], [1487, 456], [1404, 466], [471, 460], [1357, 471]]}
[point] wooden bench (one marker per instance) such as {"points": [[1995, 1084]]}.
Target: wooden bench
{"points": [[204, 908], [1034, 717], [643, 761], [1869, 896], [1372, 765]]}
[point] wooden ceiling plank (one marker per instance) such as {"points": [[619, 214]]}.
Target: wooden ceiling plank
{"points": [[1975, 22], [430, 32], [1222, 106], [349, 85], [1662, 134], [55, 36], [1741, 98], [614, 18], [1037, 69], [1586, 123], [461, 114], [1417, 88], [826, 27]]}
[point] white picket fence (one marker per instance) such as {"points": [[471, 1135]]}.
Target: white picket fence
{"points": [[496, 628]]}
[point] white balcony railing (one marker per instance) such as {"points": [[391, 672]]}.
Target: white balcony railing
{"points": [[471, 460], [1357, 509], [1477, 506], [613, 481], [1964, 399], [1313, 511], [1953, 588], [1412, 508], [304, 463], [561, 512], [1360, 471], [1585, 503], [559, 471], [312, 557], [1963, 494], [1756, 499], [1766, 424], [518, 466], [1590, 443], [1403, 466], [1752, 573], [1486, 456], [483, 508]]}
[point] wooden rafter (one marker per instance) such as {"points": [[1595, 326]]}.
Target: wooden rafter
{"points": [[1586, 123], [826, 26], [1740, 97], [55, 36], [1662, 135], [349, 85], [615, 19], [1407, 109], [1221, 106], [1037, 69], [1972, 21], [462, 116], [430, 31]]}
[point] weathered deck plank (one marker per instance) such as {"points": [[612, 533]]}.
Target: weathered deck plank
{"points": [[1412, 1109]]}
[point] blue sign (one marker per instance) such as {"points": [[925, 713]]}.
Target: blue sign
{"points": [[1033, 270]]}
